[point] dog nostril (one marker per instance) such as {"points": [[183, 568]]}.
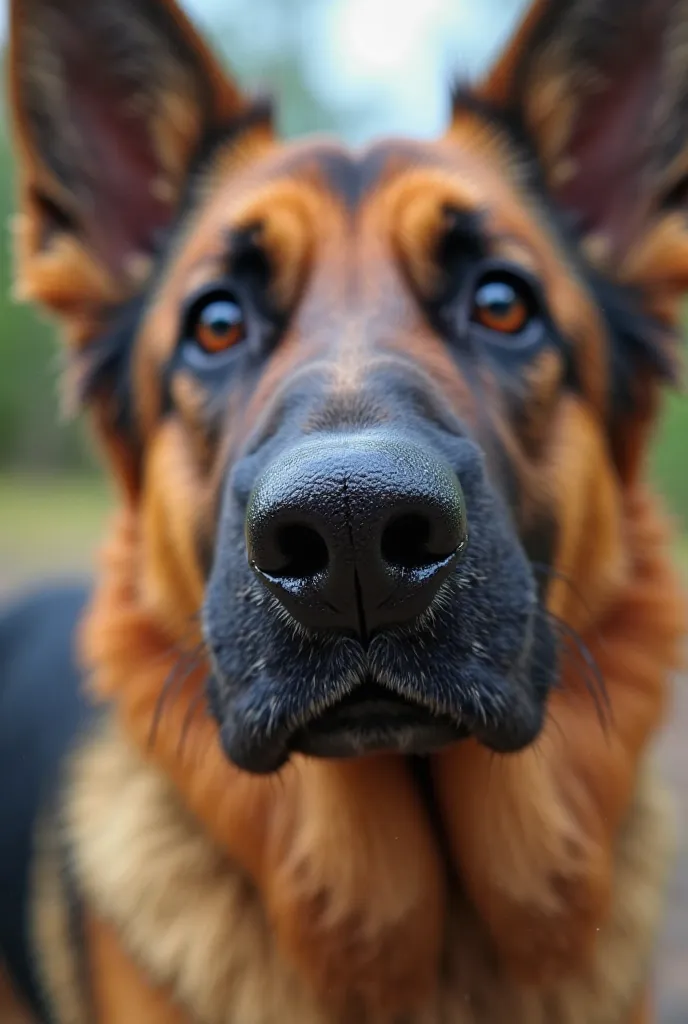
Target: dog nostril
{"points": [[305, 552], [355, 533], [405, 542]]}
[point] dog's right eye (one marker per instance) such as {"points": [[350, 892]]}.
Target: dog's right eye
{"points": [[214, 324]]}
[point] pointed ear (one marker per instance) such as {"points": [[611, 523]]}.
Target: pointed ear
{"points": [[111, 100], [601, 89]]}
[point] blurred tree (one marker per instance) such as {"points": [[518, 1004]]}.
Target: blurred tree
{"points": [[29, 363]]}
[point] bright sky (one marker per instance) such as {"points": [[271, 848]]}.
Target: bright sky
{"points": [[399, 55], [407, 51]]}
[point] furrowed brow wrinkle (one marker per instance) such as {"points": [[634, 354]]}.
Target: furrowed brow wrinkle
{"points": [[464, 225]]}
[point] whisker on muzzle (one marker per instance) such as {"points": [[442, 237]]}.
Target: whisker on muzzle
{"points": [[197, 702], [541, 569], [570, 642], [184, 667]]}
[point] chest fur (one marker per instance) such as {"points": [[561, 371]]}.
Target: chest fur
{"points": [[194, 923]]}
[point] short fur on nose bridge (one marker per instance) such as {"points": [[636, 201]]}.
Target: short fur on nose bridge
{"points": [[356, 532]]}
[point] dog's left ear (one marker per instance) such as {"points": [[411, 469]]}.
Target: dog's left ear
{"points": [[600, 87], [111, 100]]}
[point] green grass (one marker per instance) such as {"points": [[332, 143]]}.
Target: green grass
{"points": [[682, 554], [49, 524], [670, 458]]}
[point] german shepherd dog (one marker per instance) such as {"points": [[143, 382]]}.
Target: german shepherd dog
{"points": [[386, 619]]}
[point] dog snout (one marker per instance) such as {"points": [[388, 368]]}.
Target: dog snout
{"points": [[356, 532]]}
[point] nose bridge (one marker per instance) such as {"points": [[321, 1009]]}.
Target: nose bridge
{"points": [[358, 353], [357, 305]]}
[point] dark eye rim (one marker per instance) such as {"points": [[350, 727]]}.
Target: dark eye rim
{"points": [[191, 309], [528, 287]]}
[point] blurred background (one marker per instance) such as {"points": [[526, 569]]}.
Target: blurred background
{"points": [[357, 68]]}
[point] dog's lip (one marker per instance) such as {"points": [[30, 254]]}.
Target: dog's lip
{"points": [[369, 702], [373, 718]]}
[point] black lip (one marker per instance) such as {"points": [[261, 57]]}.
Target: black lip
{"points": [[374, 719]]}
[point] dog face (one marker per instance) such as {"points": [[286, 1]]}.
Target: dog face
{"points": [[368, 586], [371, 409]]}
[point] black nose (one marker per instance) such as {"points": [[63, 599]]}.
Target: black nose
{"points": [[356, 532]]}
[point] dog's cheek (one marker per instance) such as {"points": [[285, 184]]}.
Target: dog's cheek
{"points": [[591, 557], [534, 862], [172, 504]]}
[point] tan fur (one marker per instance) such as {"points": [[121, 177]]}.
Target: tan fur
{"points": [[533, 834], [59, 968], [121, 992], [191, 919], [642, 1014], [193, 922]]}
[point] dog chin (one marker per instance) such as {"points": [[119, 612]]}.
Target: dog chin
{"points": [[373, 719], [370, 719]]}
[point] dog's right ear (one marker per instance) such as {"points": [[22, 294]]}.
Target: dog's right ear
{"points": [[111, 102], [600, 90]]}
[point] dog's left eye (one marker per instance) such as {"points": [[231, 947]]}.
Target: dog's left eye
{"points": [[214, 323], [502, 303]]}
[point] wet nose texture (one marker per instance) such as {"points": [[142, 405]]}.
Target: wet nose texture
{"points": [[356, 532]]}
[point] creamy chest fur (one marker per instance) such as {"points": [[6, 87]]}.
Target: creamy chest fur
{"points": [[194, 923]]}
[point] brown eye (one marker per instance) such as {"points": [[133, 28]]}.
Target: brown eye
{"points": [[500, 305], [217, 324]]}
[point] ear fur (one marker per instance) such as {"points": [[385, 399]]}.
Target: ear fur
{"points": [[601, 89], [111, 100]]}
